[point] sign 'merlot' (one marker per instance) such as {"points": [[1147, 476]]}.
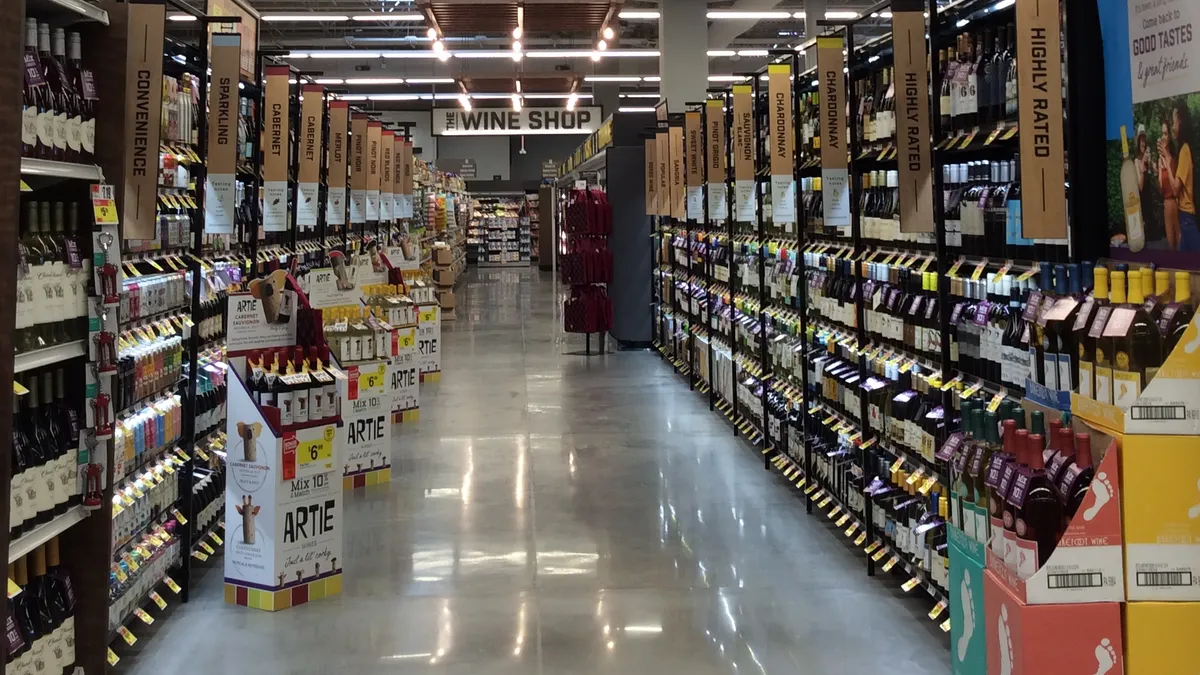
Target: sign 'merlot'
{"points": [[312, 122], [220, 194], [525, 122], [275, 149], [912, 137], [1039, 93], [835, 158], [143, 92], [339, 126]]}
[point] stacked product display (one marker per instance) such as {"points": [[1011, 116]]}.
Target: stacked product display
{"points": [[533, 210]]}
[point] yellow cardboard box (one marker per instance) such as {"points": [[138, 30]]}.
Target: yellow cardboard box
{"points": [[1161, 500], [1160, 638]]}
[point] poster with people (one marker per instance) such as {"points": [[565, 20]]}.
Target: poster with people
{"points": [[1152, 88]]}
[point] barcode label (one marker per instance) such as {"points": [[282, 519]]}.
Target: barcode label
{"points": [[1158, 412], [1164, 578], [1080, 580]]}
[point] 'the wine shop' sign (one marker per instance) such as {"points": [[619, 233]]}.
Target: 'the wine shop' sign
{"points": [[524, 122]]}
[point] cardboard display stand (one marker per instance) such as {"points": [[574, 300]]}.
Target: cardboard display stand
{"points": [[429, 342], [367, 433], [283, 497]]}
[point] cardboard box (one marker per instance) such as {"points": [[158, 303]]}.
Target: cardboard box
{"points": [[1161, 500], [968, 640], [1053, 639], [1161, 638], [446, 299], [442, 255], [443, 277]]}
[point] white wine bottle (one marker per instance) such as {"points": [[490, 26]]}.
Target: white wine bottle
{"points": [[1135, 233]]}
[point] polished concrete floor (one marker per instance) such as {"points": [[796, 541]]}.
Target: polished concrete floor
{"points": [[559, 515]]}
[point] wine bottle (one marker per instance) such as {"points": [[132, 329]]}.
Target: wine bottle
{"points": [[66, 96], [1178, 316], [42, 447], [60, 581], [51, 610], [57, 439], [84, 84], [1077, 478], [29, 620], [1011, 82], [1137, 353], [1104, 346], [18, 508], [33, 94], [1038, 511], [46, 118], [69, 421], [1135, 232]]}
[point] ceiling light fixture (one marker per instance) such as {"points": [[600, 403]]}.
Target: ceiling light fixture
{"points": [[465, 101], [370, 80], [431, 33], [516, 45], [550, 96], [726, 78], [439, 46], [430, 80], [752, 52], [651, 78], [483, 53], [304, 17], [344, 54], [443, 56], [393, 97], [583, 53], [329, 80], [721, 52], [645, 95], [388, 17], [571, 100], [735, 14], [635, 109], [601, 45], [516, 102], [608, 33], [517, 33], [612, 78], [595, 56], [351, 97], [638, 14], [181, 17]]}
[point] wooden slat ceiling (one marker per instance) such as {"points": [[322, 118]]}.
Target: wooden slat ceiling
{"points": [[473, 17]]}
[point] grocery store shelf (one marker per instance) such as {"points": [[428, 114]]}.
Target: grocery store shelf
{"points": [[24, 545], [48, 356], [68, 11], [51, 169]]}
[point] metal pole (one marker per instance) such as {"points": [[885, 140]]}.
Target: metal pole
{"points": [[707, 252], [802, 231], [760, 156], [730, 196]]}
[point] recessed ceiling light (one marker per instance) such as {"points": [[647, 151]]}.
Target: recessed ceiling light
{"points": [[430, 80], [181, 17], [637, 14], [635, 109], [612, 78], [304, 17], [735, 14], [388, 17], [721, 52], [373, 80], [752, 52], [328, 80]]}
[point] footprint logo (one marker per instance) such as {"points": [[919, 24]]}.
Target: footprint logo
{"points": [[1103, 490], [1194, 512], [1106, 657], [1006, 648], [1195, 342], [968, 610]]}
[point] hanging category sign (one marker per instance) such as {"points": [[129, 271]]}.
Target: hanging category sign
{"points": [[714, 121], [387, 143], [335, 199], [312, 122], [405, 209], [1040, 118], [358, 168], [783, 143], [743, 154], [831, 88], [275, 150], [662, 157], [675, 140], [694, 167], [651, 176], [220, 192], [374, 140], [397, 173], [143, 97], [912, 103]]}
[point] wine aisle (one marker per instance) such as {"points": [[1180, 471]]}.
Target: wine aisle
{"points": [[556, 514]]}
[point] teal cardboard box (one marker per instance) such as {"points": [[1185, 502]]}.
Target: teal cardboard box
{"points": [[968, 641]]}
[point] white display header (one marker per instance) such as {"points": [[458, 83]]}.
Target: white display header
{"points": [[527, 121]]}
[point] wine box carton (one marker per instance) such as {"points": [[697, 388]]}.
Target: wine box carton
{"points": [[1050, 639], [1161, 500], [968, 639], [1160, 638], [1087, 565], [443, 277], [442, 256]]}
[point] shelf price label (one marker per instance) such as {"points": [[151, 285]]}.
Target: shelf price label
{"points": [[887, 566], [179, 517], [158, 600], [216, 538], [317, 450], [207, 548], [862, 536], [143, 615], [127, 635], [113, 659], [200, 555], [910, 584], [13, 589], [874, 545], [172, 585], [937, 609], [104, 205]]}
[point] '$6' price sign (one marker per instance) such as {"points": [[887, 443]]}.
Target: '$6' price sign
{"points": [[376, 379], [318, 450]]}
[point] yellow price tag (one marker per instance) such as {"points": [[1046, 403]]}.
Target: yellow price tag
{"points": [[143, 615], [183, 455], [201, 454], [120, 573], [800, 483], [915, 476], [811, 487], [319, 450], [428, 315], [127, 635], [216, 538], [862, 536], [13, 589], [137, 491], [979, 270], [879, 554], [199, 555], [994, 404], [824, 502], [406, 338], [874, 545], [158, 600], [937, 609], [842, 521], [19, 389], [25, 187], [113, 659], [910, 584], [171, 584], [207, 548], [131, 562], [896, 465], [887, 566], [117, 510], [833, 513], [927, 486], [128, 501], [945, 626], [155, 540]]}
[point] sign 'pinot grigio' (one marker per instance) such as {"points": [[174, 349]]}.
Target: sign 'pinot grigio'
{"points": [[505, 122]]}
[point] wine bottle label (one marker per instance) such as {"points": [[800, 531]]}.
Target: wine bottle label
{"points": [[68, 629], [38, 657], [89, 136], [1126, 384], [48, 475], [75, 133], [60, 131], [15, 641], [67, 470], [45, 128], [55, 652], [16, 506], [29, 116]]}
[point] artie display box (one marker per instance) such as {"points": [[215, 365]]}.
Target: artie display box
{"points": [[1054, 639], [1161, 638]]}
